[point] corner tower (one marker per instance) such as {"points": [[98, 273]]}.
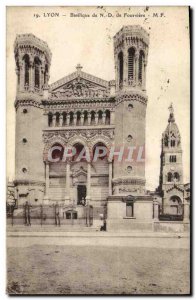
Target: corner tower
{"points": [[130, 54], [32, 58]]}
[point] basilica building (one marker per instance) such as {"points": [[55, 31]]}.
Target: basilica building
{"points": [[82, 111]]}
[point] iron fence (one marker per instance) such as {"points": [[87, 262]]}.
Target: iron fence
{"points": [[55, 214], [171, 212]]}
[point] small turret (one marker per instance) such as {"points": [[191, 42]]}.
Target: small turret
{"points": [[33, 58], [130, 53]]}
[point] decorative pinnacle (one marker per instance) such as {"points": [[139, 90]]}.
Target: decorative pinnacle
{"points": [[171, 115], [79, 67]]}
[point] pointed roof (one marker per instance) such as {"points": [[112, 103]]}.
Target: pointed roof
{"points": [[79, 73], [172, 128]]}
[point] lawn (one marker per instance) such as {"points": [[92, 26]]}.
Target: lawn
{"points": [[43, 269]]}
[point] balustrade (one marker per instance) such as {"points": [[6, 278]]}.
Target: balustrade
{"points": [[79, 119]]}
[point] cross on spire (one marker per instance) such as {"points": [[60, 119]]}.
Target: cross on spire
{"points": [[79, 67], [171, 115], [171, 109]]}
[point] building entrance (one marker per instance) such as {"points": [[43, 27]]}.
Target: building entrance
{"points": [[81, 194]]}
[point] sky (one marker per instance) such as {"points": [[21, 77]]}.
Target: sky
{"points": [[89, 41]]}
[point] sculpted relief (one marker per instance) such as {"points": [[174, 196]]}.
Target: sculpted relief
{"points": [[80, 88]]}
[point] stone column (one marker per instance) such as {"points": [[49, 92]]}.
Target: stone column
{"points": [[186, 212], [89, 118], [61, 120], [112, 117], [125, 67], [68, 119], [67, 196], [144, 76], [18, 78], [82, 119], [103, 118], [53, 120], [136, 67], [47, 182], [22, 70], [110, 177], [31, 75], [96, 118], [88, 197], [46, 80], [42, 77], [117, 71], [75, 119]]}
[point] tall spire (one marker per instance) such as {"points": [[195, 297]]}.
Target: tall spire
{"points": [[171, 115]]}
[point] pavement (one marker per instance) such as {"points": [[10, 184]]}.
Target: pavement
{"points": [[23, 236]]}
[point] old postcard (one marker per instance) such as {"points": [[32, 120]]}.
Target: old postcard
{"points": [[98, 150]]}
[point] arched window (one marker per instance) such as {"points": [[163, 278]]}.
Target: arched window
{"points": [[169, 177], [26, 69], [130, 106], [120, 63], [93, 118], [64, 118], [129, 169], [107, 121], [129, 138], [85, 117], [131, 60], [78, 114], [176, 176], [166, 141], [80, 153], [141, 61], [172, 158], [57, 151], [100, 151], [100, 115], [71, 115], [176, 207], [50, 119], [57, 118], [17, 70], [37, 64]]}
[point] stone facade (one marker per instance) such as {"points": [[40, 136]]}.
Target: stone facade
{"points": [[81, 110]]}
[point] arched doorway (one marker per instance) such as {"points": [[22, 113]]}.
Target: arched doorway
{"points": [[175, 205]]}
